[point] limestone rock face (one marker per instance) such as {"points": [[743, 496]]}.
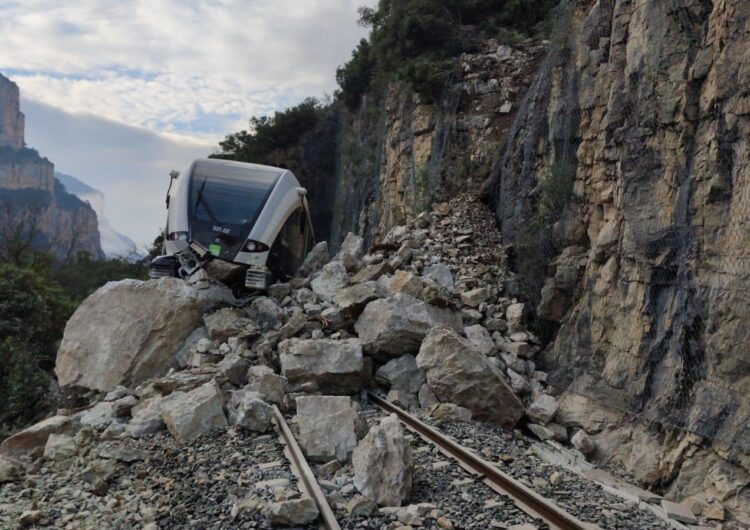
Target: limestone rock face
{"points": [[383, 464], [326, 426], [11, 118], [653, 307], [396, 325], [190, 414], [333, 365], [129, 331], [458, 373]]}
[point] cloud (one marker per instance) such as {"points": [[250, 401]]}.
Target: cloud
{"points": [[130, 165], [193, 68]]}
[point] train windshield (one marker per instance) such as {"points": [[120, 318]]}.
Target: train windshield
{"points": [[224, 205]]}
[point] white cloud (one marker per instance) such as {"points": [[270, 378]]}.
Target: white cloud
{"points": [[194, 68]]}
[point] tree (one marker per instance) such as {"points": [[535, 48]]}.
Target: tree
{"points": [[19, 228], [269, 133], [33, 312]]}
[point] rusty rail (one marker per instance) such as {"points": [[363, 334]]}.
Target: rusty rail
{"points": [[526, 499], [307, 481]]}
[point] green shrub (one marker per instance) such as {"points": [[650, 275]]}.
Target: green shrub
{"points": [[269, 133], [415, 39], [33, 313], [355, 76]]}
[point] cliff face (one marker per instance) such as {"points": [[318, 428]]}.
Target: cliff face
{"points": [[618, 151], [396, 156], [11, 118], [31, 199], [649, 104]]}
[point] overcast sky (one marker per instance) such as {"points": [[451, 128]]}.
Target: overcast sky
{"points": [[118, 92]]}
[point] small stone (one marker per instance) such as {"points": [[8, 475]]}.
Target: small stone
{"points": [[360, 505], [60, 447], [30, 517], [583, 442], [543, 409], [294, 512], [445, 523], [678, 512], [475, 297]]}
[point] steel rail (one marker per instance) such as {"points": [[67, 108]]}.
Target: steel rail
{"points": [[526, 499], [308, 483]]}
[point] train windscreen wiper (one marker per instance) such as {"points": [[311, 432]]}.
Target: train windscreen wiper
{"points": [[205, 204]]}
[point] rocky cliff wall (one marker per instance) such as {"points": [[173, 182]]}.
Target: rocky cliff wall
{"points": [[30, 196], [11, 118], [648, 102], [397, 154]]}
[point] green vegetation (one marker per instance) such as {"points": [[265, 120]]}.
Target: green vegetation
{"points": [[38, 293], [417, 41], [33, 313], [270, 133]]}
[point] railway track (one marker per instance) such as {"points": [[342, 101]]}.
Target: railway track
{"points": [[307, 482], [524, 498]]}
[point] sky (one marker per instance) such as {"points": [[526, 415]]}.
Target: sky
{"points": [[117, 93]]}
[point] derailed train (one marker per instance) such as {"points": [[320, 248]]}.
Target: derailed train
{"points": [[248, 214]]}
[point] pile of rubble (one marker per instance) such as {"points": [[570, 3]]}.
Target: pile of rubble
{"points": [[420, 315]]}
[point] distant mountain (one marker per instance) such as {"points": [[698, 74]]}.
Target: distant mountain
{"points": [[35, 209], [114, 244]]}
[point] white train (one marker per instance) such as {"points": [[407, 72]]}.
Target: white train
{"points": [[248, 214]]}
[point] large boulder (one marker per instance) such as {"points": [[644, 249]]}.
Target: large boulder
{"points": [[331, 279], [440, 273], [264, 380], [326, 426], [190, 414], [351, 251], [543, 408], [60, 447], [315, 259], [252, 413], [129, 331], [35, 436], [383, 464], [458, 373], [352, 300], [333, 365], [401, 374], [396, 325]]}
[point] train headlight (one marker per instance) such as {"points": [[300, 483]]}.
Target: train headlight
{"points": [[254, 246], [178, 236]]}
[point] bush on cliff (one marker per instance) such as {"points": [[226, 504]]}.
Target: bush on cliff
{"points": [[415, 40]]}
